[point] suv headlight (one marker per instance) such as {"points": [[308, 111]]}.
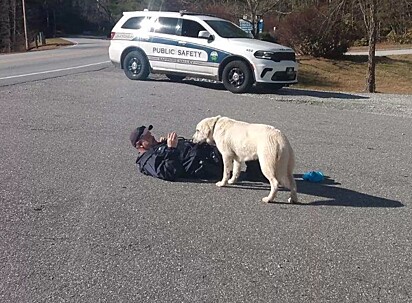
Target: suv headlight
{"points": [[275, 56], [264, 55]]}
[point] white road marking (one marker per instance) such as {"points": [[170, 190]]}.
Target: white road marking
{"points": [[53, 70]]}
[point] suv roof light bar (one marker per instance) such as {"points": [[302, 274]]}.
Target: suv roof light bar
{"points": [[185, 12]]}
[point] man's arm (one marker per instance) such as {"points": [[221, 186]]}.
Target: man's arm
{"points": [[163, 162]]}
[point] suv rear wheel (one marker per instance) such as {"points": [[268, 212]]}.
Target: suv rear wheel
{"points": [[237, 77], [136, 66]]}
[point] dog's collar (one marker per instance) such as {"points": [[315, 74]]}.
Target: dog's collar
{"points": [[214, 125]]}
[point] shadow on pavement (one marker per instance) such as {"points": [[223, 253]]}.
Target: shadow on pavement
{"points": [[317, 94], [203, 83], [287, 91], [336, 196]]}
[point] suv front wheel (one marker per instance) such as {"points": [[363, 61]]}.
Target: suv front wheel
{"points": [[136, 66], [237, 77]]}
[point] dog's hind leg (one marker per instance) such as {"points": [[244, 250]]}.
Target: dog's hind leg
{"points": [[236, 172], [273, 189], [293, 190], [292, 184], [268, 170]]}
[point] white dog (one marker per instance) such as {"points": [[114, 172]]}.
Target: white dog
{"points": [[240, 141]]}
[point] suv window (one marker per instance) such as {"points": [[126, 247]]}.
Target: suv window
{"points": [[166, 25], [133, 23], [191, 28], [227, 29]]}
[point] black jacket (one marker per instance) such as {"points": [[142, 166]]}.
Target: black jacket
{"points": [[161, 162], [187, 160]]}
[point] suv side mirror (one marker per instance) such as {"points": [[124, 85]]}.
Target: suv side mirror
{"points": [[205, 35]]}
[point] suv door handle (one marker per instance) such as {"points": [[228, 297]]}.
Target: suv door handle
{"points": [[181, 42]]}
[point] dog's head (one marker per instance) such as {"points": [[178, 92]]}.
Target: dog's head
{"points": [[204, 130]]}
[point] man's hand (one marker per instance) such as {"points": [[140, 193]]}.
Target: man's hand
{"points": [[172, 140]]}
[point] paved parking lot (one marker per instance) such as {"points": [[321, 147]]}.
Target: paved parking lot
{"points": [[80, 225]]}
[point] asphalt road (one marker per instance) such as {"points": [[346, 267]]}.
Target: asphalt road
{"points": [[389, 52], [79, 224], [85, 55]]}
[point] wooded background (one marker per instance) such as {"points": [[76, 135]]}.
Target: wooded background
{"points": [[318, 28], [313, 27]]}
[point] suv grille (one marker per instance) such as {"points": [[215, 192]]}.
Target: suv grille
{"points": [[282, 56]]}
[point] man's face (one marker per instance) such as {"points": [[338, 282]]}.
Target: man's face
{"points": [[148, 140]]}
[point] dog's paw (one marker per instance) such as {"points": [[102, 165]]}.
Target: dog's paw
{"points": [[290, 200], [231, 181], [266, 199], [220, 183]]}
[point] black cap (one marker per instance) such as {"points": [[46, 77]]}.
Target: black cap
{"points": [[137, 133]]}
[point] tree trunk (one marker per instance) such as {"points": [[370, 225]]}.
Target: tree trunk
{"points": [[371, 81], [5, 27], [14, 17]]}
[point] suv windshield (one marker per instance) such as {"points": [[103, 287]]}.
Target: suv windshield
{"points": [[227, 29]]}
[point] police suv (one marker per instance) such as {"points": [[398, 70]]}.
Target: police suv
{"points": [[190, 44]]}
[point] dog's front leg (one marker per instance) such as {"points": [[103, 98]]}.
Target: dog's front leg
{"points": [[227, 168], [236, 172]]}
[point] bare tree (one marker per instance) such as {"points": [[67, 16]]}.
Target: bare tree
{"points": [[248, 10], [369, 9], [11, 33], [5, 27], [369, 14], [256, 9]]}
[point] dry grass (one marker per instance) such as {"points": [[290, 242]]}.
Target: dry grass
{"points": [[393, 74], [51, 43]]}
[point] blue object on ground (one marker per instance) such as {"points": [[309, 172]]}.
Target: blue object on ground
{"points": [[313, 176]]}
